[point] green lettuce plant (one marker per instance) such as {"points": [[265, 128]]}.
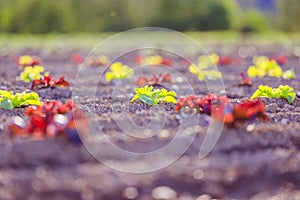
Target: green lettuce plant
{"points": [[263, 66], [32, 73], [205, 73], [283, 92], [118, 72], [203, 69], [289, 74], [9, 100], [152, 97]]}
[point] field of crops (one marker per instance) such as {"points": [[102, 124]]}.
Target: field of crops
{"points": [[54, 89]]}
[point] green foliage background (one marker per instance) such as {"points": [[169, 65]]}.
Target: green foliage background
{"points": [[42, 16]]}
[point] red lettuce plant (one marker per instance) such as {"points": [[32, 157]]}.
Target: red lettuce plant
{"points": [[77, 58], [223, 109], [245, 80], [159, 79], [224, 60], [52, 119], [249, 110], [281, 59], [204, 104], [48, 81], [98, 61]]}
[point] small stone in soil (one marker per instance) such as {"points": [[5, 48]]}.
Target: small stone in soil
{"points": [[164, 134], [179, 79], [204, 197], [198, 174], [163, 192], [284, 121], [250, 127], [272, 108], [130, 193], [287, 108], [175, 88]]}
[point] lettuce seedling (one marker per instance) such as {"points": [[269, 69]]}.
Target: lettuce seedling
{"points": [[98, 61], [205, 73], [31, 73], [48, 81], [77, 58], [263, 66], [281, 59], [202, 69], [118, 72], [208, 60], [52, 119], [283, 92], [223, 109], [159, 79], [289, 74], [225, 60], [152, 97], [204, 104], [9, 100], [153, 60], [27, 60], [245, 80]]}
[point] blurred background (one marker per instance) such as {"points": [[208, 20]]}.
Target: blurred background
{"points": [[65, 16]]}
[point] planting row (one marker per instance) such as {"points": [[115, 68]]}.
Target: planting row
{"points": [[50, 118]]}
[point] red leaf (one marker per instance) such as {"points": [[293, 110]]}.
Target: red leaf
{"points": [[245, 80], [166, 62], [250, 109], [222, 109], [225, 60], [141, 81], [52, 119], [77, 58], [159, 79], [48, 81]]}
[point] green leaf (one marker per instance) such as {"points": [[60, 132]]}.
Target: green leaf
{"points": [[148, 100], [284, 92], [109, 76], [135, 98], [152, 97], [6, 104], [118, 71], [31, 73], [170, 99], [289, 74], [31, 102], [264, 66], [291, 99], [19, 99]]}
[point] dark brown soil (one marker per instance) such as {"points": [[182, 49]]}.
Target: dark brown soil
{"points": [[254, 161]]}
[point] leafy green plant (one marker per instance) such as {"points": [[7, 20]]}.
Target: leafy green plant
{"points": [[118, 72], [32, 73], [152, 97], [98, 61], [27, 60], [284, 92], [203, 71], [289, 74], [9, 100], [263, 66]]}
